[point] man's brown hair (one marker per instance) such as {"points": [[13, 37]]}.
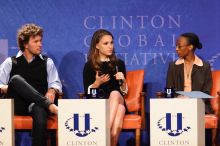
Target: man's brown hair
{"points": [[25, 32]]}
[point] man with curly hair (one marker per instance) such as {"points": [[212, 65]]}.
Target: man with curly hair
{"points": [[32, 80]]}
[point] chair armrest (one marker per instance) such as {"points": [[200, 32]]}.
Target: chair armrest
{"points": [[218, 111], [159, 94], [81, 95]]}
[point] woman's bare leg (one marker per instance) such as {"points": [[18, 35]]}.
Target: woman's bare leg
{"points": [[117, 125], [117, 112], [115, 99]]}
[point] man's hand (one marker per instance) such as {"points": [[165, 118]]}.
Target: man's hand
{"points": [[51, 94], [4, 89]]}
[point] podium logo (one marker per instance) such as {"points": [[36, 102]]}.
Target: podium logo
{"points": [[73, 125], [172, 124], [1, 129]]}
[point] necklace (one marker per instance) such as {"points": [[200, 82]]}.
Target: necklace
{"points": [[188, 70]]}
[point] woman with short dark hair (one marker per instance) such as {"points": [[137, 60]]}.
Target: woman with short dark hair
{"points": [[189, 72]]}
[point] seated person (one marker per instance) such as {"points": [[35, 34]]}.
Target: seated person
{"points": [[189, 72], [106, 72], [31, 79]]}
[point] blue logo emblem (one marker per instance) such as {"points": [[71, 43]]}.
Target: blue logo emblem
{"points": [[165, 124], [2, 129], [72, 124]]}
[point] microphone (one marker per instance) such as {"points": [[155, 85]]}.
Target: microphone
{"points": [[120, 81]]}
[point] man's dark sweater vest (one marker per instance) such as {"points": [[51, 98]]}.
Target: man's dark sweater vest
{"points": [[35, 73]]}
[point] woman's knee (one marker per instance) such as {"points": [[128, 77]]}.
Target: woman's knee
{"points": [[121, 109], [116, 96], [115, 93]]}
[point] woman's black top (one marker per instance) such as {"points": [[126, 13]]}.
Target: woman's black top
{"points": [[89, 76]]}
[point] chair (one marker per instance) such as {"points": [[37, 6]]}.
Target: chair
{"points": [[211, 120], [24, 123], [135, 101]]}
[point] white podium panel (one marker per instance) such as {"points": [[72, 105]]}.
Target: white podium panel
{"points": [[6, 122], [83, 122], [177, 122]]}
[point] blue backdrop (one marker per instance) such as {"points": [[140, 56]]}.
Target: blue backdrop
{"points": [[145, 32]]}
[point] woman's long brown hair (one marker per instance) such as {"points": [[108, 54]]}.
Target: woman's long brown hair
{"points": [[93, 55]]}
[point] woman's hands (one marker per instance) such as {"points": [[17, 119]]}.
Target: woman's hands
{"points": [[106, 77], [100, 79], [120, 76], [123, 85]]}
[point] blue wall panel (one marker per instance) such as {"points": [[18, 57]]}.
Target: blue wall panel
{"points": [[144, 31]]}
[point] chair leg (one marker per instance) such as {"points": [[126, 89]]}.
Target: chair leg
{"points": [[56, 137], [214, 133], [137, 137]]}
